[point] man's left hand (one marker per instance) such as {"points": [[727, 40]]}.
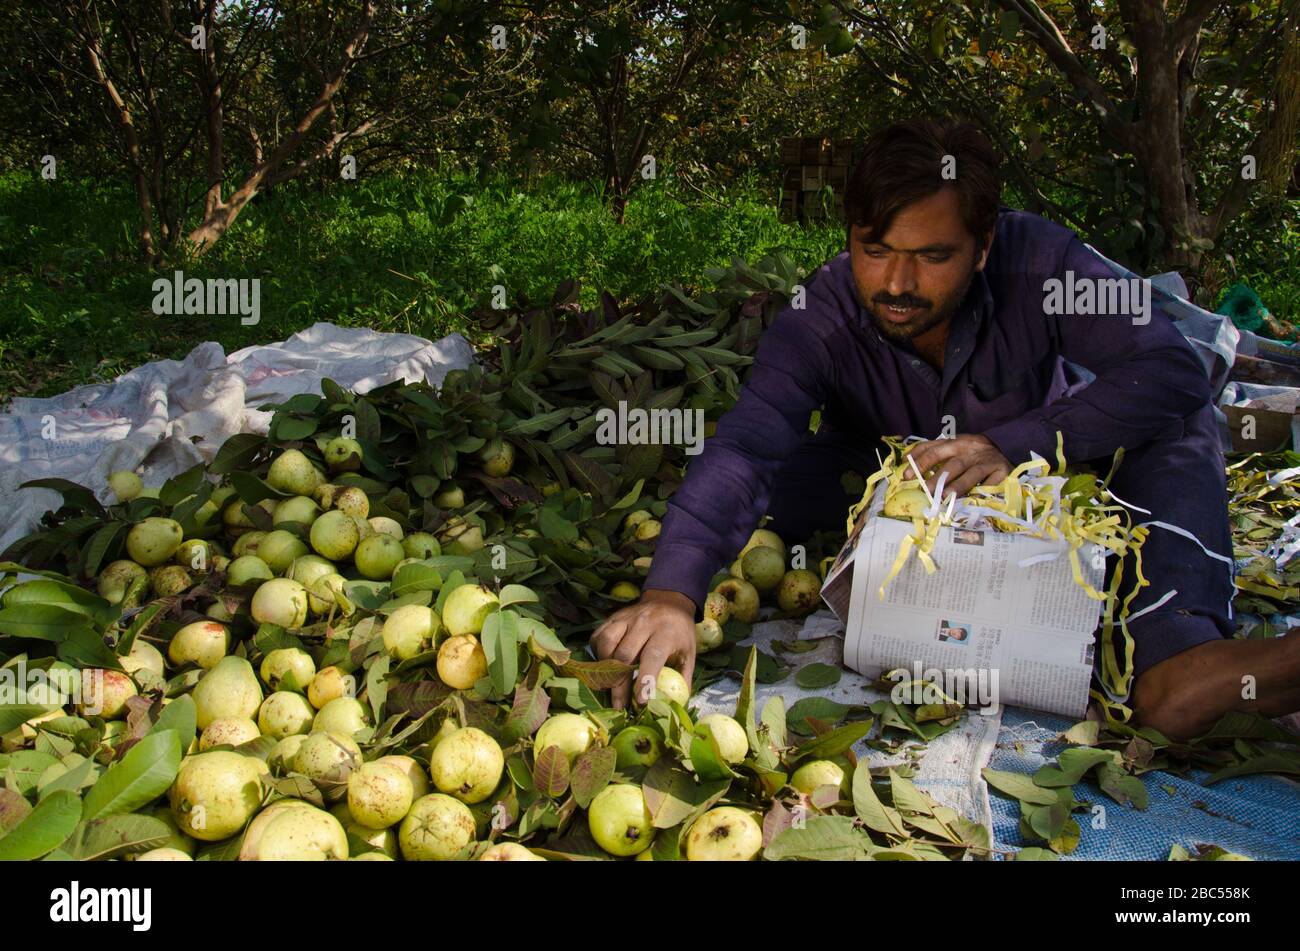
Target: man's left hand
{"points": [[969, 460]]}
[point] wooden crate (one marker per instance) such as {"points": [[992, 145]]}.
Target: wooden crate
{"points": [[814, 177], [810, 164]]}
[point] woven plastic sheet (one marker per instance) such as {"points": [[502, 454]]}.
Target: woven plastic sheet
{"points": [[1254, 816]]}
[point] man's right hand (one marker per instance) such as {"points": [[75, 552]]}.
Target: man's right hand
{"points": [[658, 629]]}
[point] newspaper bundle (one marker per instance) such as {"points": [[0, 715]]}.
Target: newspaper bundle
{"points": [[1001, 620]]}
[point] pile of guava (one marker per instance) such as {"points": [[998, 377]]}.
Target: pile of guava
{"points": [[363, 636]]}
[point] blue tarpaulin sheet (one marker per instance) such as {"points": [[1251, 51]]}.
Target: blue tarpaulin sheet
{"points": [[1254, 816]]}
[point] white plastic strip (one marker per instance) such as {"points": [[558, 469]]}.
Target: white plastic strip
{"points": [[1188, 535], [1151, 607]]}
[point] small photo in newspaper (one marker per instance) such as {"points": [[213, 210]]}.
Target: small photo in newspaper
{"points": [[954, 632]]}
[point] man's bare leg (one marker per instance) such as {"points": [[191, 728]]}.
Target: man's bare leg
{"points": [[1186, 694]]}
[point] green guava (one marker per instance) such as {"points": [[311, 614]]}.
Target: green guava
{"points": [[153, 541], [125, 485], [379, 795], [724, 834], [281, 601], [461, 662], [636, 746], [619, 820], [334, 535], [573, 734], [467, 765], [293, 472], [284, 714], [215, 793], [436, 829], [377, 556]]}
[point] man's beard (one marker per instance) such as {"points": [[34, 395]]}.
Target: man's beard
{"points": [[927, 319]]}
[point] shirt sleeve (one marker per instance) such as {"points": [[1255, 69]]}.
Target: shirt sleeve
{"points": [[1148, 378], [727, 487]]}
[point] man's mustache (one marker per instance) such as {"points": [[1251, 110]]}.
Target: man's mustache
{"points": [[886, 300]]}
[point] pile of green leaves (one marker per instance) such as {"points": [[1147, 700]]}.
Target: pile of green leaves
{"points": [[1260, 503]]}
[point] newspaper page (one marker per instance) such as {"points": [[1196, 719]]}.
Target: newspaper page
{"points": [[1002, 607]]}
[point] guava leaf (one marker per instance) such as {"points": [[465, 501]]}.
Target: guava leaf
{"points": [[817, 676], [1085, 733], [180, 716], [1072, 764], [773, 717], [1267, 763], [26, 767], [377, 684], [908, 800], [252, 490], [1251, 727], [1122, 787], [1047, 822], [528, 712], [500, 639], [75, 496], [834, 742], [414, 578], [822, 838], [85, 647], [116, 835], [1035, 854], [15, 715], [46, 622], [45, 827], [707, 760], [76, 778], [14, 808], [138, 778], [672, 794], [517, 594], [597, 674], [237, 453], [592, 773], [551, 772], [869, 808], [1019, 786], [555, 526]]}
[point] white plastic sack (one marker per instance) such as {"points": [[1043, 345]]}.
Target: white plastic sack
{"points": [[164, 417]]}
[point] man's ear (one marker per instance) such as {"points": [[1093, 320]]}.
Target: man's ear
{"points": [[983, 251]]}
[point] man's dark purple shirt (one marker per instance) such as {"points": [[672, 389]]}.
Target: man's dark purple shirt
{"points": [[1003, 376]]}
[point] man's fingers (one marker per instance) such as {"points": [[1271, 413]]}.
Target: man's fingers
{"points": [[971, 478], [634, 638], [619, 693], [954, 467], [606, 637], [653, 659], [929, 454], [605, 642]]}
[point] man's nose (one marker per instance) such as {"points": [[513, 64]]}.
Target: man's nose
{"points": [[900, 275]]}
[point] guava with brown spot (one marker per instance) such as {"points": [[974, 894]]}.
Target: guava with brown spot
{"points": [[799, 592], [724, 834], [467, 764], [379, 795], [215, 793], [743, 597], [437, 829]]}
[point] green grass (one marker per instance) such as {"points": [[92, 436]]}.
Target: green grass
{"points": [[409, 253], [398, 253]]}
